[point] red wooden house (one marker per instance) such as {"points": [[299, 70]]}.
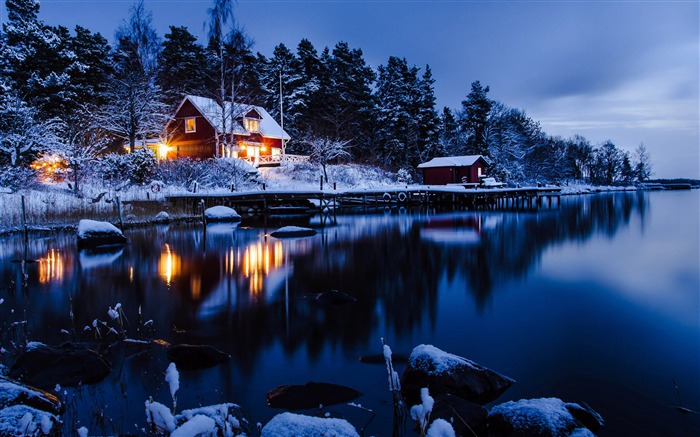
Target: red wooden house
{"points": [[200, 126], [454, 170]]}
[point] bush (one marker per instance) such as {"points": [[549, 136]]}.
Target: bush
{"points": [[181, 172], [227, 171], [141, 166], [15, 178]]}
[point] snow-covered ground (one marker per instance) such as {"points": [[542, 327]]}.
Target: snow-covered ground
{"points": [[55, 205]]}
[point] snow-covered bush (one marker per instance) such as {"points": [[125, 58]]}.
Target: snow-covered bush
{"points": [[141, 166], [227, 171], [110, 169], [15, 178], [181, 172], [421, 412], [403, 176]]}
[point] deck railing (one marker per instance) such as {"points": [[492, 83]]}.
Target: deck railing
{"points": [[275, 159]]}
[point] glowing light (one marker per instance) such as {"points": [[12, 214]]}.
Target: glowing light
{"points": [[51, 168], [169, 265], [162, 151], [258, 260], [263, 148], [51, 267]]}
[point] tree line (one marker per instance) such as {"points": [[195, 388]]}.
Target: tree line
{"points": [[73, 93]]}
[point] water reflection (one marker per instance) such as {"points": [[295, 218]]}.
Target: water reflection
{"points": [[254, 296]]}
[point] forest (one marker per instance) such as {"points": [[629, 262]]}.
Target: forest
{"points": [[71, 96]]}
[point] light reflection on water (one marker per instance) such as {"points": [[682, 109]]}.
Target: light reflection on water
{"points": [[595, 301]]}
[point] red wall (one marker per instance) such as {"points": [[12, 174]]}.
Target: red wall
{"points": [[453, 175]]}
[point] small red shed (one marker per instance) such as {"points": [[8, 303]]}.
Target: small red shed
{"points": [[454, 169]]}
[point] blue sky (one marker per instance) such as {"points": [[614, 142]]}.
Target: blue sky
{"points": [[625, 71]]}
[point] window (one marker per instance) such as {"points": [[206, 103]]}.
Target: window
{"points": [[190, 125], [251, 124]]}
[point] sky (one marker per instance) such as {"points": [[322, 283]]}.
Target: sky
{"points": [[625, 71]]}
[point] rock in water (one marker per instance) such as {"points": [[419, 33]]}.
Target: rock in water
{"points": [[221, 213], [443, 372], [196, 357], [92, 233], [546, 417], [68, 365], [292, 232], [21, 420], [293, 425], [309, 395]]}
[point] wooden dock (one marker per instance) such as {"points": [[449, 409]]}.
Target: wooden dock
{"points": [[296, 201]]}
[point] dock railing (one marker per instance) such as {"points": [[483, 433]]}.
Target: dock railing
{"points": [[275, 159]]}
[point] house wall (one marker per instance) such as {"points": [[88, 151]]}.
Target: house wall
{"points": [[200, 144], [438, 175]]}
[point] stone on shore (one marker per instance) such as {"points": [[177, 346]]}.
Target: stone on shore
{"points": [[93, 233]]}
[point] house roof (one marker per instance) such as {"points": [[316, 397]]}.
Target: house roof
{"points": [[212, 112], [452, 161]]}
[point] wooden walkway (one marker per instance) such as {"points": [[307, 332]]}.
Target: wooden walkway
{"points": [[298, 201]]}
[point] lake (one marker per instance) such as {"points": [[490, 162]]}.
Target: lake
{"points": [[596, 300]]}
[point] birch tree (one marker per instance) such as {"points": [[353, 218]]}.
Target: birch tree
{"points": [[324, 150]]}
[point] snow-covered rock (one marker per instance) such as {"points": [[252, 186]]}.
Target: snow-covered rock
{"points": [[294, 425], [228, 418], [440, 428], [293, 232], [221, 213], [162, 217], [21, 420], [93, 233], [443, 372], [546, 417], [15, 393]]}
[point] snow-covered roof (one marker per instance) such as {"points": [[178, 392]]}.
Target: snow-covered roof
{"points": [[452, 161], [212, 112]]}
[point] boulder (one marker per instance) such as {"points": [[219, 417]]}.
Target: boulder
{"points": [[309, 395], [162, 217], [293, 232], [444, 373], [196, 357], [466, 417], [293, 425], [69, 365], [15, 393], [92, 233], [220, 213], [228, 419], [544, 417]]}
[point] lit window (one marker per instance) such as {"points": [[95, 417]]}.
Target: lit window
{"points": [[251, 124], [190, 125]]}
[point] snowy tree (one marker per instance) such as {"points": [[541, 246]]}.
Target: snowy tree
{"points": [[506, 143], [428, 120], [83, 141], [474, 122], [91, 70], [134, 108], [607, 164], [581, 157], [449, 132], [21, 132], [229, 80], [642, 163], [325, 150]]}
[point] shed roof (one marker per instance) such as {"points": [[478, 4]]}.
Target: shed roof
{"points": [[212, 112], [452, 161]]}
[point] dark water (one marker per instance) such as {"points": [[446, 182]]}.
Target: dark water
{"points": [[595, 301]]}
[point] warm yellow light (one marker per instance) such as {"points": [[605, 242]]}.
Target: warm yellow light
{"points": [[163, 151], [243, 147], [51, 267], [263, 149], [169, 265], [196, 287]]}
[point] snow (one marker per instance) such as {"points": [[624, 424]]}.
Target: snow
{"points": [[221, 415], [172, 377], [435, 361], [198, 425], [87, 228], [33, 345], [160, 416], [543, 414], [221, 212], [82, 432], [22, 420], [581, 432], [421, 413], [451, 161], [440, 428], [292, 425]]}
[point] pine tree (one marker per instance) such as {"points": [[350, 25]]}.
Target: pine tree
{"points": [[642, 163], [449, 132], [476, 111], [91, 70], [180, 66], [428, 120]]}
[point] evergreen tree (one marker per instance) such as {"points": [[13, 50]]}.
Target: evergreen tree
{"points": [[449, 132], [428, 120], [180, 66], [642, 163], [308, 92], [91, 71], [474, 123]]}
